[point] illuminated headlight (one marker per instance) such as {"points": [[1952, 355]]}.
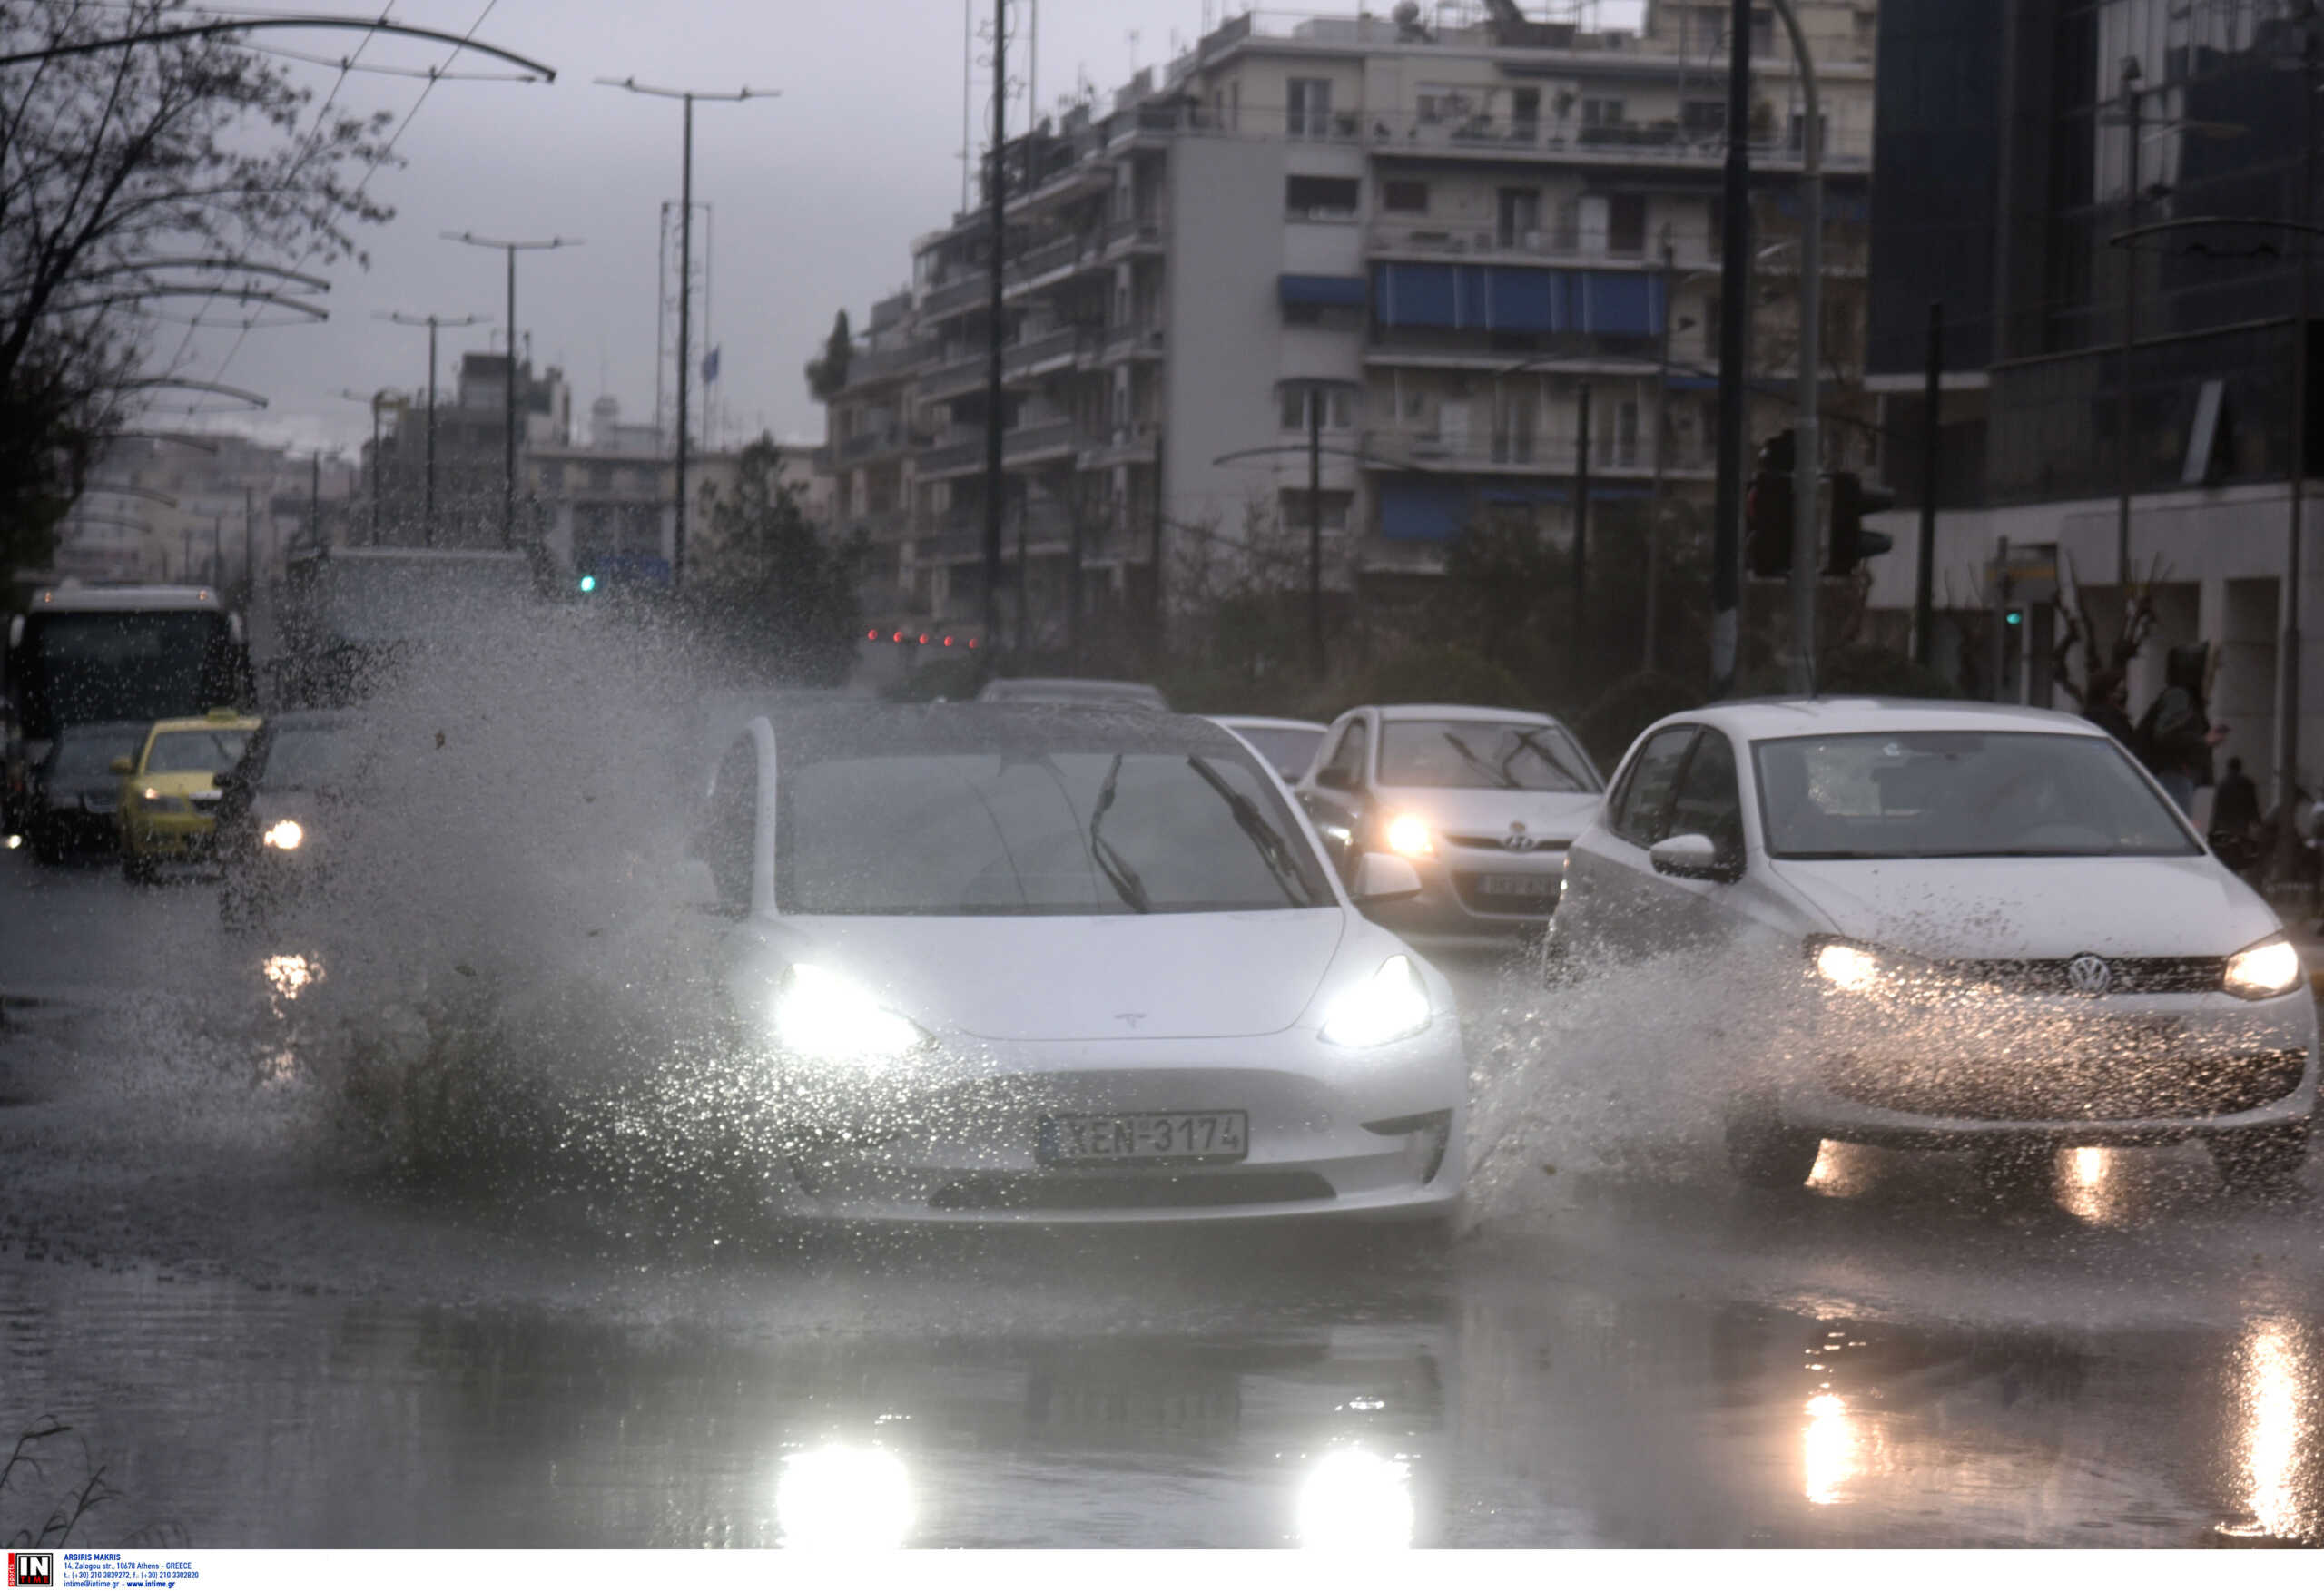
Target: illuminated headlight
{"points": [[285, 836], [1847, 967], [1390, 1004], [153, 800], [1407, 835], [14, 841], [2264, 970], [824, 1017]]}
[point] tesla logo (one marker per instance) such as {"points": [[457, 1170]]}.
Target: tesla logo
{"points": [[1132, 1018], [2089, 974], [31, 1568], [1517, 840]]}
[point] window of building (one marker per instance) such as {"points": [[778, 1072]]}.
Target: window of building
{"points": [[1438, 105], [1763, 34], [1519, 214], [1322, 198], [1334, 506], [1310, 109], [1601, 112], [601, 477], [1626, 223], [1799, 127], [1524, 114], [1339, 412], [1404, 197], [1702, 118]]}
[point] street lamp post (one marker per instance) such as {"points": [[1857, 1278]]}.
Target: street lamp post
{"points": [[431, 323], [375, 401], [509, 483], [1807, 453], [686, 282], [2123, 483]]}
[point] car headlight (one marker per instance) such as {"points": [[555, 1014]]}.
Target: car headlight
{"points": [[824, 1017], [285, 836], [1407, 835], [153, 800], [2264, 970], [1390, 1004], [1846, 966]]}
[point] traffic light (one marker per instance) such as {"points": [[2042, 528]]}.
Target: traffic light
{"points": [[588, 584], [1852, 543], [1767, 511]]}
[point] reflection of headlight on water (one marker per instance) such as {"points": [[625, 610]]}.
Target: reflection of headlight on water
{"points": [[1352, 1500], [291, 974], [285, 836], [1848, 968], [843, 1497], [1829, 1452], [2275, 1386]]}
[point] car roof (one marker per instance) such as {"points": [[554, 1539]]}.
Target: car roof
{"points": [[173, 725], [1030, 728], [1780, 718], [1244, 721], [310, 718], [100, 599], [115, 728], [1393, 712], [1077, 690]]}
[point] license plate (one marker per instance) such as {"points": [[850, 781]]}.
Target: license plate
{"points": [[1145, 1136], [1526, 886]]}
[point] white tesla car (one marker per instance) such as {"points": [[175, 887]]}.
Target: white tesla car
{"points": [[1979, 926], [1004, 964]]}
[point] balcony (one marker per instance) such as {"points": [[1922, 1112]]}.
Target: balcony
{"points": [[1550, 245], [1131, 444], [1137, 339], [1618, 145], [878, 441], [1033, 355], [956, 376], [1532, 453], [866, 366], [961, 451], [963, 292]]}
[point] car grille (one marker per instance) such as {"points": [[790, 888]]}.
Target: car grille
{"points": [[1127, 1190], [2068, 1087], [1493, 843], [2132, 974]]}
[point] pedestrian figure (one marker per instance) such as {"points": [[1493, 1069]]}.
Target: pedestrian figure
{"points": [[2176, 736], [2235, 818]]}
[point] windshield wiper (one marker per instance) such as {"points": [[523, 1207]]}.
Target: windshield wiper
{"points": [[1501, 780], [1542, 749], [1262, 835], [1119, 873]]}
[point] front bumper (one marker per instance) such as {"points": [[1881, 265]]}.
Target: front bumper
{"points": [[76, 828], [2133, 1070], [168, 837], [956, 1140], [1478, 890]]}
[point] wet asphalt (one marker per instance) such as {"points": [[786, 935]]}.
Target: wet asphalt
{"points": [[263, 1340]]}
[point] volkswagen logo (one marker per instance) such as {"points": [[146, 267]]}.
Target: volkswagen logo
{"points": [[1517, 840], [2089, 974]]}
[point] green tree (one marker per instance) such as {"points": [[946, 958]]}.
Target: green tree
{"points": [[133, 180], [781, 600], [827, 372]]}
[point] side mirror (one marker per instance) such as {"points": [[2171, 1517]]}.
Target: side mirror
{"points": [[1693, 856], [121, 767], [1380, 876], [1335, 779]]}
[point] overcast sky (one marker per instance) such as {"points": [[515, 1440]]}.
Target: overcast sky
{"points": [[817, 192]]}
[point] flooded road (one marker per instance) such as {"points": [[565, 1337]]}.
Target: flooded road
{"points": [[267, 1340]]}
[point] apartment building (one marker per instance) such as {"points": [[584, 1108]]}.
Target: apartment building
{"points": [[1429, 231], [199, 506]]}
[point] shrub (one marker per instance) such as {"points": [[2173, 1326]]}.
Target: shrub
{"points": [[1619, 716]]}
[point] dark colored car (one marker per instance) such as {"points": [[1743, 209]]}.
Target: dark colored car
{"points": [[278, 815], [73, 794]]}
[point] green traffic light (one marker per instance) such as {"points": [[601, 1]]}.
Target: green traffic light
{"points": [[2016, 617], [588, 584]]}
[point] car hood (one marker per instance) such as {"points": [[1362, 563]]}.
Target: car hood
{"points": [[1552, 814], [1174, 974], [176, 784], [2037, 908]]}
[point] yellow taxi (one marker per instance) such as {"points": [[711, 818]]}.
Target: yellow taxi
{"points": [[169, 790]]}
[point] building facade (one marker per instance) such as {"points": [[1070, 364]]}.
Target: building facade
{"points": [[201, 508], [1429, 235], [2099, 393]]}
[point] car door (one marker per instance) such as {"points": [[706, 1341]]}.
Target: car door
{"points": [[1705, 800], [1613, 904], [1335, 792]]}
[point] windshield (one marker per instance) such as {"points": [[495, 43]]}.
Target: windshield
{"points": [[83, 668], [1955, 794], [196, 750], [1068, 834], [89, 754], [1466, 754], [304, 757], [1288, 751], [1076, 693]]}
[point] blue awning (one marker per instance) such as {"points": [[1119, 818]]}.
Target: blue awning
{"points": [[1517, 494], [1416, 295], [1341, 291], [1422, 510], [1620, 303], [1528, 299]]}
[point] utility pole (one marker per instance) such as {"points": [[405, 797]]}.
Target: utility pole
{"points": [[1580, 519], [1808, 457], [249, 547], [1661, 436], [431, 323], [686, 285], [315, 501], [218, 550], [377, 401], [2287, 663], [1924, 556], [1735, 310], [2124, 450], [1317, 398], [997, 221], [509, 483], [1161, 623]]}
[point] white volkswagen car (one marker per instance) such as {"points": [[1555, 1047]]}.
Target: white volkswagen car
{"points": [[1481, 800], [1004, 964], [1978, 926]]}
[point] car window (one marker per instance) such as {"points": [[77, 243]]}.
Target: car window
{"points": [[1707, 800], [1641, 810], [84, 755], [1068, 833], [1287, 750], [196, 750], [1466, 754], [1348, 756], [302, 757]]}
